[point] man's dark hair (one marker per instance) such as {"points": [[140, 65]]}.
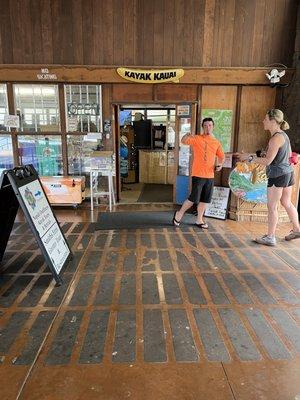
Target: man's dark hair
{"points": [[207, 120]]}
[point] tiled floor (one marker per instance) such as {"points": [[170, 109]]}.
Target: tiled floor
{"points": [[172, 313]]}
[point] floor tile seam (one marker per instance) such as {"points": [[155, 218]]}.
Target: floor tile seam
{"points": [[48, 333]]}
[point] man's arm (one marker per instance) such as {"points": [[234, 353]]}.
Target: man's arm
{"points": [[186, 139]]}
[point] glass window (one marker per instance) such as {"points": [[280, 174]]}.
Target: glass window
{"points": [[44, 152], [3, 106], [80, 149], [83, 108], [158, 116], [6, 153], [38, 107]]}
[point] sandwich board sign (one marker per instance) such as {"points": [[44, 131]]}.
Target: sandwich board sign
{"points": [[21, 187]]}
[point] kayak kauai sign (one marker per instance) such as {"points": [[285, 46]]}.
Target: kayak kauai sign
{"points": [[152, 75]]}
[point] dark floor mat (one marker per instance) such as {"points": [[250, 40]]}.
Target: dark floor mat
{"points": [[138, 220], [156, 193]]}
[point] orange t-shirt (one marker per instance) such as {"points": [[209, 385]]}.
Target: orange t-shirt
{"points": [[205, 149]]}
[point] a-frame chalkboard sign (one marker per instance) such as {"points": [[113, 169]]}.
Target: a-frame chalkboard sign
{"points": [[21, 186]]}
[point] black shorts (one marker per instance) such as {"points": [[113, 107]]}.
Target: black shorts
{"points": [[202, 190], [282, 180]]}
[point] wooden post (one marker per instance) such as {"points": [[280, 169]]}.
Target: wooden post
{"points": [[63, 127], [11, 111]]}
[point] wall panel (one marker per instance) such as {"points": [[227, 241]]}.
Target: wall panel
{"points": [[182, 93], [132, 92], [222, 98], [196, 33], [255, 102]]}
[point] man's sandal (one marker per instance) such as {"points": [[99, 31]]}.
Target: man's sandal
{"points": [[174, 220], [202, 226]]}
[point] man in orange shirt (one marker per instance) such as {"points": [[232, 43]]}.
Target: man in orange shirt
{"points": [[206, 148]]}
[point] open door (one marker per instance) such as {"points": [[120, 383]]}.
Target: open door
{"points": [[186, 118]]}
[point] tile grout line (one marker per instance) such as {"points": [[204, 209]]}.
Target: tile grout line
{"points": [[25, 380], [228, 381]]}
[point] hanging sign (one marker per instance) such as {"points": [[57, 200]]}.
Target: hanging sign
{"points": [[151, 76], [184, 110], [21, 186], [12, 121]]}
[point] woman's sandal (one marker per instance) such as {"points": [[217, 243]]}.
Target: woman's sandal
{"points": [[174, 220], [202, 226]]}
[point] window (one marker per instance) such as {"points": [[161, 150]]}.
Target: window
{"points": [[44, 152], [83, 108], [3, 106], [38, 107], [158, 116]]}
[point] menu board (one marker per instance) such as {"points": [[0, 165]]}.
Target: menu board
{"points": [[44, 222], [21, 186]]}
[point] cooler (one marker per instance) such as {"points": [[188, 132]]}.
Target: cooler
{"points": [[64, 190]]}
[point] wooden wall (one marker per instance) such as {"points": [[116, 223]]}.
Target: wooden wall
{"points": [[248, 103], [255, 102], [148, 32]]}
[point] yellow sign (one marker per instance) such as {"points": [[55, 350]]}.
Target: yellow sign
{"points": [[151, 76]]}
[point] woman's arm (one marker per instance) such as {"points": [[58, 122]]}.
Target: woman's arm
{"points": [[274, 144]]}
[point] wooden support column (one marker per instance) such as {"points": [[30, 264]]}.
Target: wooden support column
{"points": [[208, 37], [63, 127], [237, 118], [11, 111], [107, 114]]}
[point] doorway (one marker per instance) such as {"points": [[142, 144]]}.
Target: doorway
{"points": [[153, 166], [145, 145]]}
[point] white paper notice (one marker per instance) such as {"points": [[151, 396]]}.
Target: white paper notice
{"points": [[56, 188], [12, 121], [218, 206], [228, 160]]}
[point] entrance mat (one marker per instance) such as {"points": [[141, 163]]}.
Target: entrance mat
{"points": [[138, 220], [156, 193]]}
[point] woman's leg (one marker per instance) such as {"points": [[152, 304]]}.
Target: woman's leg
{"points": [[274, 195], [290, 208]]}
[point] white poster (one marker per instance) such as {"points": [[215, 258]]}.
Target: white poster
{"points": [[72, 124], [183, 110], [56, 247], [12, 121], [43, 219], [37, 206], [228, 160], [219, 203]]}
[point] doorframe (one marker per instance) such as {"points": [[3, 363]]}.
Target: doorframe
{"points": [[116, 135]]}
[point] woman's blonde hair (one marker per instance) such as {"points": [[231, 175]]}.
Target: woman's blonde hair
{"points": [[278, 116]]}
